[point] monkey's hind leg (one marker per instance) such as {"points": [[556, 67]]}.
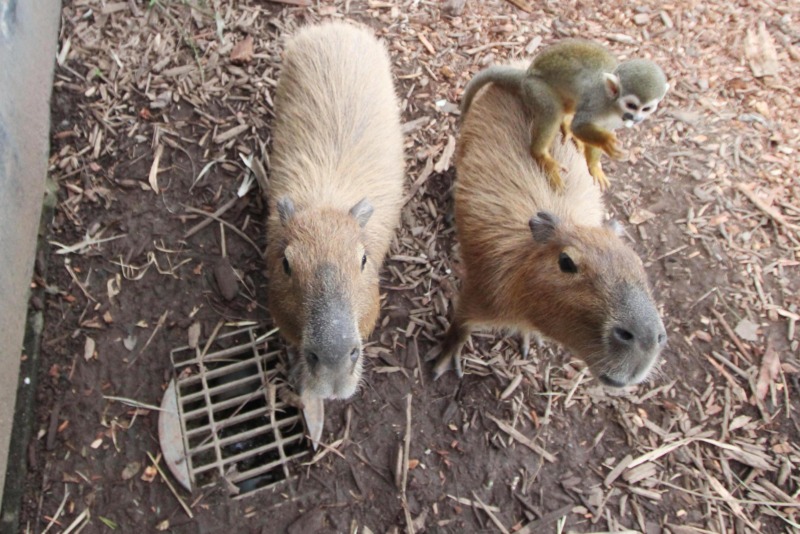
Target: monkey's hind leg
{"points": [[566, 131], [547, 112], [592, 155]]}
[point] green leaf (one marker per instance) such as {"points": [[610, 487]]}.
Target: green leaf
{"points": [[107, 522]]}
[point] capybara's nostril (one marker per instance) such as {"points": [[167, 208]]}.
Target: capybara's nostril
{"points": [[612, 382], [662, 338], [622, 335], [354, 354]]}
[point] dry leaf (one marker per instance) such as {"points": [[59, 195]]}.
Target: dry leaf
{"points": [[770, 369], [150, 473], [640, 215], [194, 334], [153, 178], [447, 154], [760, 52], [129, 342], [88, 349], [243, 51], [747, 330], [130, 470]]}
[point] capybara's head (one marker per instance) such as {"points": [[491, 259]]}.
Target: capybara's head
{"points": [[323, 293], [593, 297]]}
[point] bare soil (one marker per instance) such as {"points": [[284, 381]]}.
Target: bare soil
{"points": [[709, 445]]}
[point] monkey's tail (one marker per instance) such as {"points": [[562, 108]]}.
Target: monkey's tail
{"points": [[509, 78]]}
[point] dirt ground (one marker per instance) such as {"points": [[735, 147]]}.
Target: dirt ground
{"points": [[152, 120]]}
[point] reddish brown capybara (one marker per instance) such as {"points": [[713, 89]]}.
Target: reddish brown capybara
{"points": [[538, 261]]}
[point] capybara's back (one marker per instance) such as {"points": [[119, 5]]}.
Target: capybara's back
{"points": [[335, 193], [543, 261]]}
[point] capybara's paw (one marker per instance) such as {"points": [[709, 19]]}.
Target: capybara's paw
{"points": [[445, 362]]}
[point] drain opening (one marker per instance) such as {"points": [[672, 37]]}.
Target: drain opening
{"points": [[222, 416]]}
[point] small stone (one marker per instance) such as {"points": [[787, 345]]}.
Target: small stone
{"points": [[226, 279], [640, 19]]}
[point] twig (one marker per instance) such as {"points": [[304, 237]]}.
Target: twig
{"points": [[404, 480], [493, 517], [169, 485], [159, 324], [406, 445], [78, 520], [199, 226], [226, 223], [75, 279], [520, 437], [58, 512], [768, 210], [133, 403], [731, 334]]}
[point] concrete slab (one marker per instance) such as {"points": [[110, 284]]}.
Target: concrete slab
{"points": [[28, 39]]}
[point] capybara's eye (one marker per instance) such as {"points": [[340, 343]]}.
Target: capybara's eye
{"points": [[286, 268], [363, 261], [566, 264]]}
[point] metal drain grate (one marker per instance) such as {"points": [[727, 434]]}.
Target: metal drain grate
{"points": [[222, 417]]}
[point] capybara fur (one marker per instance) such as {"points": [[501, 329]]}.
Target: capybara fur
{"points": [[335, 194], [544, 262]]}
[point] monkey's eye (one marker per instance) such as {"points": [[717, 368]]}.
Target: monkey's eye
{"points": [[631, 106], [286, 267], [566, 264], [363, 261]]}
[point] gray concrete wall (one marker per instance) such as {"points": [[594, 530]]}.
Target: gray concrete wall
{"points": [[28, 38]]}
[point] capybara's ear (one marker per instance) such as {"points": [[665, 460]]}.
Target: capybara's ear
{"points": [[285, 209], [362, 211], [543, 226]]}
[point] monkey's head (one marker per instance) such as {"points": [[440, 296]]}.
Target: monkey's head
{"points": [[637, 86]]}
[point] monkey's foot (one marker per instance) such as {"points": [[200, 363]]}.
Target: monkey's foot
{"points": [[447, 361], [599, 176], [552, 170]]}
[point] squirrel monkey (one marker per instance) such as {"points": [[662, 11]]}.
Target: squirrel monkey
{"points": [[582, 78]]}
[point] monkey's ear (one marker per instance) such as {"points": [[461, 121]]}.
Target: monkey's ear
{"points": [[362, 211], [285, 209], [612, 84], [543, 226]]}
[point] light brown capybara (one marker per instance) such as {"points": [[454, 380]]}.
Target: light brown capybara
{"points": [[538, 261], [335, 194]]}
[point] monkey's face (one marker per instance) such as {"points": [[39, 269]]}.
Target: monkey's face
{"points": [[633, 111]]}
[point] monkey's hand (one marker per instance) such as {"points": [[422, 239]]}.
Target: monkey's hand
{"points": [[611, 146], [601, 138]]}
